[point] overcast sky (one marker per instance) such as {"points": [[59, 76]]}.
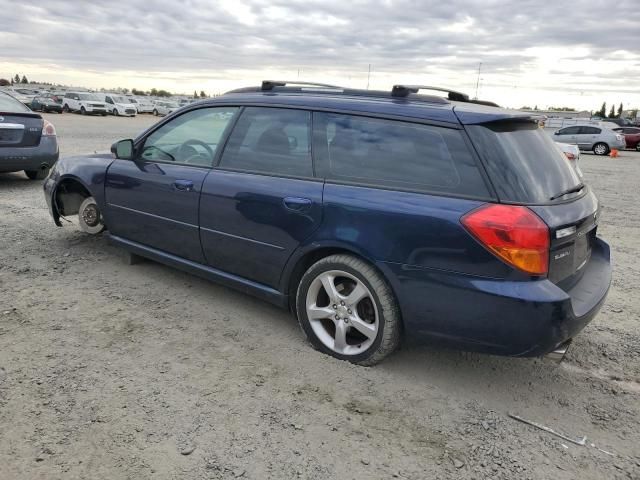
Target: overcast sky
{"points": [[575, 53]]}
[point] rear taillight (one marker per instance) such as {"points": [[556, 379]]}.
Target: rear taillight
{"points": [[569, 155], [48, 130], [513, 233]]}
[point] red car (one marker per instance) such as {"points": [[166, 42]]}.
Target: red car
{"points": [[631, 136]]}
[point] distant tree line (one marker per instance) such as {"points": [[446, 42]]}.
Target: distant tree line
{"points": [[602, 113]]}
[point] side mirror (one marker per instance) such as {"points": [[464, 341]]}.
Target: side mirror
{"points": [[123, 149], [557, 132]]}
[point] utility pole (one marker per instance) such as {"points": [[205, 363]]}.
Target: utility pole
{"points": [[478, 80], [368, 76]]}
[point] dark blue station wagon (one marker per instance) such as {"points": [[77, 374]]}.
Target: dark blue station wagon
{"points": [[373, 216]]}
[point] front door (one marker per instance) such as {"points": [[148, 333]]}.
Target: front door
{"points": [[154, 199], [263, 200]]}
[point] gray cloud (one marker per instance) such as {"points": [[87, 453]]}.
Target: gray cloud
{"points": [[202, 38]]}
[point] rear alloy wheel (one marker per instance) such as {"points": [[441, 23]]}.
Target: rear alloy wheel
{"points": [[601, 149], [347, 310], [37, 174], [90, 217]]}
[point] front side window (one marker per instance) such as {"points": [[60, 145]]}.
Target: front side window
{"points": [[395, 154], [271, 140], [190, 139]]}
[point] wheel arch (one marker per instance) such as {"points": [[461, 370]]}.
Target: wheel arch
{"points": [[69, 193], [306, 256]]}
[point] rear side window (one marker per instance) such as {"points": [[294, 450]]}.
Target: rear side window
{"points": [[271, 140], [523, 162], [395, 154], [590, 131]]}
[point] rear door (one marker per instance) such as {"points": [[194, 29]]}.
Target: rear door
{"points": [[263, 200], [154, 199], [588, 137]]}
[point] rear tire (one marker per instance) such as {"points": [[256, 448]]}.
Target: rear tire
{"points": [[601, 148], [90, 217], [155, 112], [37, 174], [347, 310], [65, 109]]}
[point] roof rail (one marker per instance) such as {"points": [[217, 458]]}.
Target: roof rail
{"points": [[270, 84], [405, 90]]}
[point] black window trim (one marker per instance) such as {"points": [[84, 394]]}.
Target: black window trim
{"points": [[493, 197]]}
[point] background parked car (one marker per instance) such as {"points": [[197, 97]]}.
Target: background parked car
{"points": [[164, 108], [47, 103], [27, 141], [142, 104], [631, 136], [119, 105], [600, 140], [84, 102], [24, 95]]}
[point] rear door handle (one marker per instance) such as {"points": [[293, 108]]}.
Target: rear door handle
{"points": [[297, 204], [183, 185]]}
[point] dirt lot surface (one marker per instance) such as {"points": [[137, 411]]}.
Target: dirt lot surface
{"points": [[109, 371]]}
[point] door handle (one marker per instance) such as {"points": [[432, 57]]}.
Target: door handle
{"points": [[297, 204], [183, 185]]}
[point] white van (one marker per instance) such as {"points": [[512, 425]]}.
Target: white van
{"points": [[119, 105]]}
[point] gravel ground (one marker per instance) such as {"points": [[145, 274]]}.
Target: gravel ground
{"points": [[116, 371]]}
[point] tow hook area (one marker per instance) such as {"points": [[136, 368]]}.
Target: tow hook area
{"points": [[558, 354]]}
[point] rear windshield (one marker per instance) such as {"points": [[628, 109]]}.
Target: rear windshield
{"points": [[9, 104], [523, 162]]}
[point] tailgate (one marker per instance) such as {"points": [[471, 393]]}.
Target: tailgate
{"points": [[20, 130], [572, 227]]}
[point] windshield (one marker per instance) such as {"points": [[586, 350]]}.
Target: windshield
{"points": [[133, 100], [121, 99], [89, 96], [523, 161], [171, 105], [25, 91], [8, 104]]}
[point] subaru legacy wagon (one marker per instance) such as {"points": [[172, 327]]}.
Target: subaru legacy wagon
{"points": [[372, 216]]}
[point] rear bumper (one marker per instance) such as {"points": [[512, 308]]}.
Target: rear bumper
{"points": [[500, 317], [14, 159]]}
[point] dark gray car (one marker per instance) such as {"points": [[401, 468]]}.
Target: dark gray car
{"points": [[27, 141]]}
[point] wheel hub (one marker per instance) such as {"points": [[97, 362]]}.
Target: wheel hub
{"points": [[90, 215], [342, 312]]}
